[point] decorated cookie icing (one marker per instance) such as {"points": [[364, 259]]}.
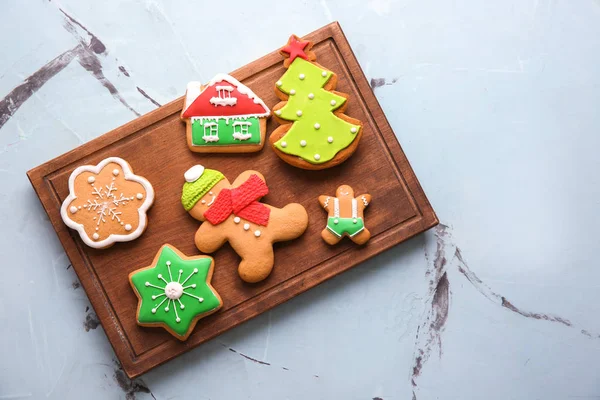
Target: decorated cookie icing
{"points": [[107, 203], [233, 213], [315, 133], [224, 116], [175, 291], [345, 216]]}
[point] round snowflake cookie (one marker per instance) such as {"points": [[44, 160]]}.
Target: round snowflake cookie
{"points": [[107, 203]]}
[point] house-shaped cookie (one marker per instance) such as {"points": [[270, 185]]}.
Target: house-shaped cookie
{"points": [[224, 116]]}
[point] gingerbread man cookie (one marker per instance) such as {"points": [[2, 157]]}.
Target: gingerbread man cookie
{"points": [[345, 216], [232, 213]]}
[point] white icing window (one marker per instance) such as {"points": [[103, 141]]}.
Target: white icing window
{"points": [[224, 96], [211, 132], [240, 130]]}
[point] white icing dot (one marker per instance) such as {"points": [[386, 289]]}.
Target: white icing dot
{"points": [[95, 236], [311, 96], [139, 196], [159, 276], [91, 179], [236, 220], [122, 223], [299, 113], [335, 221], [284, 144], [182, 306], [353, 130], [330, 139], [278, 112], [292, 92], [257, 233], [324, 73], [317, 157], [167, 308], [332, 102], [354, 220], [200, 300], [154, 311], [317, 125], [210, 193], [301, 76], [177, 319], [147, 283], [303, 143], [79, 208], [73, 209], [195, 270], [279, 83], [203, 201], [127, 227], [97, 228], [115, 172], [246, 227], [169, 263]]}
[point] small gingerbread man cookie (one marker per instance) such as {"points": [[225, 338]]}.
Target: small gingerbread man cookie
{"points": [[233, 213], [345, 216]]}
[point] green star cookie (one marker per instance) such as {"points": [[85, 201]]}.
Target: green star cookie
{"points": [[175, 291]]}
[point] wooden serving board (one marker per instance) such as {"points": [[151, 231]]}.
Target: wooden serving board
{"points": [[155, 146]]}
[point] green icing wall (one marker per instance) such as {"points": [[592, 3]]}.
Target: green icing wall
{"points": [[225, 131]]}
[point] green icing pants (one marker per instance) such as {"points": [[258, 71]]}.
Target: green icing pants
{"points": [[340, 226]]}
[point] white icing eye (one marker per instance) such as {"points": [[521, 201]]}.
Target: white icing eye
{"points": [[73, 209], [139, 196], [330, 139], [292, 92], [353, 130], [91, 179], [303, 143], [301, 76], [333, 102], [257, 233], [95, 236], [128, 227], [317, 125], [115, 172], [299, 113], [317, 157]]}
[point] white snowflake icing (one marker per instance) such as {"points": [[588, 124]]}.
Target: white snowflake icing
{"points": [[105, 204]]}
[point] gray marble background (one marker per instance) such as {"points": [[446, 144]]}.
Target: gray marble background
{"points": [[496, 104]]}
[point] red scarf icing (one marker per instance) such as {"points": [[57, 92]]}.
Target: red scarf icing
{"points": [[241, 201]]}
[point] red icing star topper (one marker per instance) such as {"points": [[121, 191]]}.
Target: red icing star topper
{"points": [[295, 48]]}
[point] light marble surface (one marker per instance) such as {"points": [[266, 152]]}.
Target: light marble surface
{"points": [[496, 106]]}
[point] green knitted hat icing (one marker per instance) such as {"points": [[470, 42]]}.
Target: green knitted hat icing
{"points": [[198, 182]]}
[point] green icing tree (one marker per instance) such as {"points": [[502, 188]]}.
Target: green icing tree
{"points": [[317, 134]]}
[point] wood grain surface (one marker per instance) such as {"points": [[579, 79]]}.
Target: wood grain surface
{"points": [[155, 146]]}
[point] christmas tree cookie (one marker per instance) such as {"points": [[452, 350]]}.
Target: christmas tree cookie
{"points": [[107, 203], [174, 292], [224, 116], [315, 133]]}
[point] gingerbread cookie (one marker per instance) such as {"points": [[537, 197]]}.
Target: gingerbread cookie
{"points": [[174, 292], [345, 216], [107, 203], [224, 116], [232, 213], [315, 133]]}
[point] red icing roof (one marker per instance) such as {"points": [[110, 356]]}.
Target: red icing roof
{"points": [[245, 104]]}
